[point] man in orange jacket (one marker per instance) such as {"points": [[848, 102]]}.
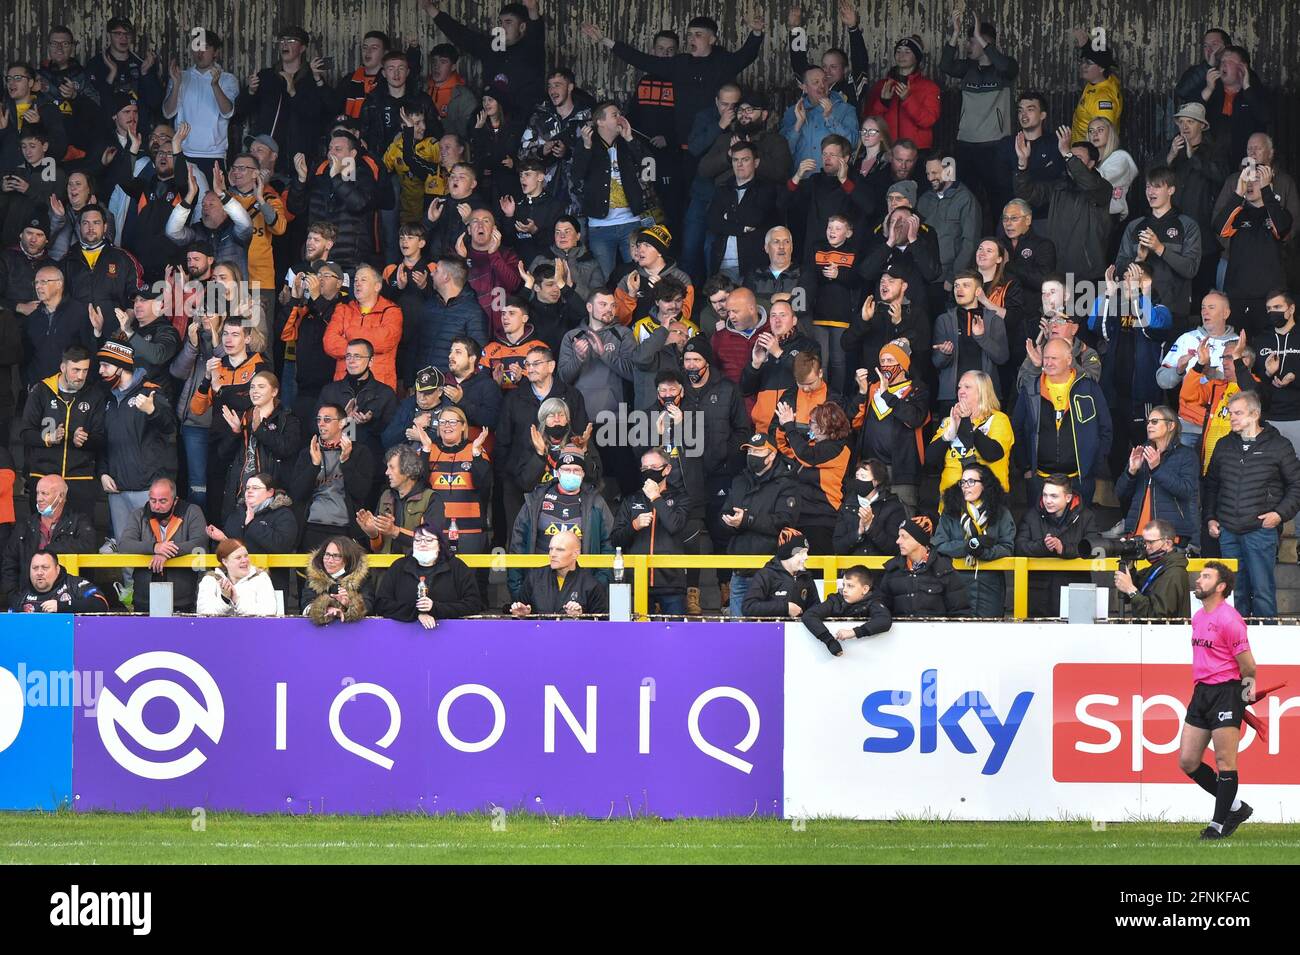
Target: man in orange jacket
{"points": [[370, 316]]}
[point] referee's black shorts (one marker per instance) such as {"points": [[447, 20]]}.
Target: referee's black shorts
{"points": [[1216, 706]]}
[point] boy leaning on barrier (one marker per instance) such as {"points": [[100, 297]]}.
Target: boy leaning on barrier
{"points": [[855, 601]]}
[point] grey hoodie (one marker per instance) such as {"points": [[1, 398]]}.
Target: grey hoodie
{"points": [[985, 93], [956, 220], [602, 376]]}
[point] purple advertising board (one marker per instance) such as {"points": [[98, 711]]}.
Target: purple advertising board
{"points": [[578, 717]]}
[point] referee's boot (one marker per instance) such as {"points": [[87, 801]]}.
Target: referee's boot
{"points": [[1236, 818]]}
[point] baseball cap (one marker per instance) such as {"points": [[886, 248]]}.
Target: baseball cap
{"points": [[428, 379], [759, 442]]}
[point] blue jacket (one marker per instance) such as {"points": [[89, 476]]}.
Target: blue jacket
{"points": [[1147, 343], [1089, 423], [807, 142], [443, 321], [1175, 493]]}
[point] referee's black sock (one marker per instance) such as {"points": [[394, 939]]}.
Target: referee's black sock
{"points": [[1204, 777], [1223, 798]]}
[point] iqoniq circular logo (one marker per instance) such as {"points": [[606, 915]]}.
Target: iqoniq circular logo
{"points": [[114, 715]]}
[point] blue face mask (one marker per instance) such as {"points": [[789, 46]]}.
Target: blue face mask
{"points": [[47, 511], [570, 482]]}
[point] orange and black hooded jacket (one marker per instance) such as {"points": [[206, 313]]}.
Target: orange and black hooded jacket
{"points": [[819, 467]]}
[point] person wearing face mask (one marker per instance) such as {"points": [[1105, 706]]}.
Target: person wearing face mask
{"points": [[237, 587], [651, 520], [764, 499], [429, 585], [339, 586], [977, 526], [549, 437], [164, 528], [54, 526], [871, 513], [856, 600], [1280, 364], [1055, 528], [569, 503], [889, 413], [1162, 588], [783, 587]]}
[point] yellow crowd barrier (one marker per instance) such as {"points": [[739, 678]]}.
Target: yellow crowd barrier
{"points": [[637, 567]]}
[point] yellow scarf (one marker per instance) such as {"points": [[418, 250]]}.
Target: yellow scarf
{"points": [[1059, 396]]}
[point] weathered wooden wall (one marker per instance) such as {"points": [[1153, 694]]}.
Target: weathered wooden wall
{"points": [[1154, 40]]}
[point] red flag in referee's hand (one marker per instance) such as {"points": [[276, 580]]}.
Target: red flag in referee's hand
{"points": [[1254, 721]]}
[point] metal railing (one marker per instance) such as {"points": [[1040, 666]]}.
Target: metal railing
{"points": [[638, 567]]}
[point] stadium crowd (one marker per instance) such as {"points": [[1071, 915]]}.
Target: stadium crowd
{"points": [[400, 315]]}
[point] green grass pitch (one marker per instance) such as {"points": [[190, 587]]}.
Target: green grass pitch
{"points": [[103, 838]]}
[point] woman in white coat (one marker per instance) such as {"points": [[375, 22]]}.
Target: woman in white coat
{"points": [[236, 587]]}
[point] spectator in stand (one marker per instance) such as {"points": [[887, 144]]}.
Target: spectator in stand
{"points": [[74, 404], [405, 503], [1252, 488], [921, 582], [452, 310], [953, 212], [351, 93], [370, 316], [51, 589], [225, 390], [102, 275], [139, 435], [778, 276], [733, 340], [504, 357], [1055, 528], [26, 190], [743, 210], [818, 112], [549, 137], [548, 438], [652, 520], [120, 70], [634, 293], [463, 196], [905, 246], [1207, 389], [1044, 164], [968, 337], [569, 503], [1252, 230], [339, 586], [268, 434], [1196, 80], [494, 143], [1163, 588], [1260, 148], [764, 499], [459, 491], [1170, 240], [18, 268], [428, 584], [895, 316], [596, 359], [819, 458], [1279, 363], [986, 75], [406, 284], [770, 371], [1078, 206], [783, 587], [341, 191], [582, 268], [492, 268], [1004, 295], [530, 216], [164, 528], [976, 525], [1199, 162], [477, 395], [236, 587], [1033, 257], [331, 481], [812, 197], [907, 99], [834, 62], [553, 304], [288, 102], [854, 601], [414, 157], [871, 514], [1237, 105], [28, 109], [652, 111], [1056, 324], [833, 270], [368, 402], [321, 290], [223, 221], [562, 587], [1131, 330], [872, 160], [890, 414], [1102, 95], [1062, 424], [1162, 482], [204, 97], [1116, 166], [52, 526], [613, 199], [975, 429], [513, 55], [265, 523]]}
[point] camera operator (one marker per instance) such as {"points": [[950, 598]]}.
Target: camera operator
{"points": [[1163, 589]]}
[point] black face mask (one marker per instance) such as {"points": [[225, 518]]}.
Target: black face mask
{"points": [[555, 433], [865, 487], [756, 462], [162, 516], [1277, 318], [653, 474], [695, 376], [665, 402]]}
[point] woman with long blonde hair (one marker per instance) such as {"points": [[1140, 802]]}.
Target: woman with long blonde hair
{"points": [[975, 430]]}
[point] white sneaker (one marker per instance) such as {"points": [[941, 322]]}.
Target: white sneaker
{"points": [[110, 546], [1114, 532]]}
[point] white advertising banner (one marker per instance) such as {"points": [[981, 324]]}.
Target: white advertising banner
{"points": [[1000, 721]]}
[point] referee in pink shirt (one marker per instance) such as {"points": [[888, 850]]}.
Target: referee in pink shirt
{"points": [[1223, 669]]}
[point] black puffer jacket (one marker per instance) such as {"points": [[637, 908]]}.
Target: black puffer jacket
{"points": [[1240, 485], [881, 538], [770, 501], [726, 423], [931, 590], [871, 609], [773, 588], [1078, 215], [348, 204], [1072, 527], [450, 584]]}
